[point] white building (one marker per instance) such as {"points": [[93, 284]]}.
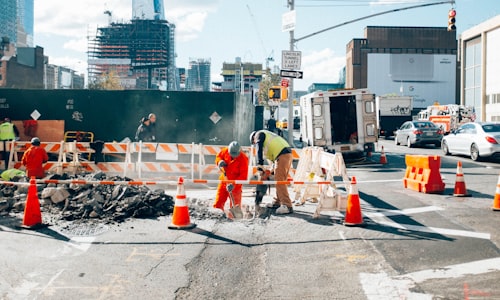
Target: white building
{"points": [[480, 65]]}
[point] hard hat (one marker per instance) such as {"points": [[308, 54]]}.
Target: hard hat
{"points": [[252, 135], [234, 149], [35, 141]]}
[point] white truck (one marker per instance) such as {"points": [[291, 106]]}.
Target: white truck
{"points": [[392, 111], [342, 121]]}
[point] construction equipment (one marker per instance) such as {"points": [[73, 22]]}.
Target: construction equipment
{"points": [[234, 210]]}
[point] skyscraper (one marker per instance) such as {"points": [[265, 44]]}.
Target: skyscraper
{"points": [[16, 21], [148, 9], [198, 78]]}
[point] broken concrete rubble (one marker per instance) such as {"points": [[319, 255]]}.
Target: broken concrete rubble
{"points": [[97, 202]]}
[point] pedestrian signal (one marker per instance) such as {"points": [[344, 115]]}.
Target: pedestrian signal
{"points": [[275, 93], [451, 20]]}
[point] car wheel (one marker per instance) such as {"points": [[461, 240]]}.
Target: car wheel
{"points": [[474, 153], [396, 140], [445, 148], [408, 142]]}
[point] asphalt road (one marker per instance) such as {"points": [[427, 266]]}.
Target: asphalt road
{"points": [[411, 246]]}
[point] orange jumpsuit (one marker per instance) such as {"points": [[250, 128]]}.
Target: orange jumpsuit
{"points": [[236, 169], [33, 159]]}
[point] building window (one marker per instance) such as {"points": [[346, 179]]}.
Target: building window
{"points": [[472, 74]]}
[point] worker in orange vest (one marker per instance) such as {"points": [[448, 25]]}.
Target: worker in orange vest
{"points": [[34, 158]]}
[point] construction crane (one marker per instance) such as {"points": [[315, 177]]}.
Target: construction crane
{"points": [[269, 57]]}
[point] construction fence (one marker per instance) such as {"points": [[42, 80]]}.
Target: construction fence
{"points": [[127, 159]]}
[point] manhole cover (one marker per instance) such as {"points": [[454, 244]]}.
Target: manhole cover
{"points": [[84, 229]]}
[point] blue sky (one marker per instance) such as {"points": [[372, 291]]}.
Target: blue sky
{"points": [[221, 30]]}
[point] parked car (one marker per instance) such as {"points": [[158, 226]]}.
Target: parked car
{"points": [[413, 133], [475, 139]]}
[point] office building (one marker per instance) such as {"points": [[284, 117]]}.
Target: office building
{"points": [[16, 21], [412, 61], [480, 62], [198, 75]]}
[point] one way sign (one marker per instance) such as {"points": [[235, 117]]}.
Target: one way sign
{"points": [[291, 74]]}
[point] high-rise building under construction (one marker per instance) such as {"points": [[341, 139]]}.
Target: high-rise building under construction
{"points": [[139, 54]]}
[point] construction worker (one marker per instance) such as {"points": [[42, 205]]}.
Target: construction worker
{"points": [[143, 134], [152, 126], [8, 132], [34, 158], [234, 163], [276, 149]]}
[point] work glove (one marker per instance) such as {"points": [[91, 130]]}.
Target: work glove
{"points": [[222, 164], [230, 187]]}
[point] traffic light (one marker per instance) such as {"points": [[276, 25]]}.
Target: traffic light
{"points": [[284, 93], [451, 20], [274, 93]]}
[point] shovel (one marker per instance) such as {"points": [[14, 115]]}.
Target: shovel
{"points": [[235, 210]]}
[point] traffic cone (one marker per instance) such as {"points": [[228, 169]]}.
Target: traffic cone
{"points": [[496, 200], [383, 158], [32, 215], [460, 190], [353, 214], [180, 216]]}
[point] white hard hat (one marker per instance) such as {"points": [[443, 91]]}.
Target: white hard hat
{"points": [[234, 149]]}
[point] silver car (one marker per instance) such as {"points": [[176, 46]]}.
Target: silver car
{"points": [[476, 139], [413, 133]]}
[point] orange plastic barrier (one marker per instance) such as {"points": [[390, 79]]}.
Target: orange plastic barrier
{"points": [[422, 174]]}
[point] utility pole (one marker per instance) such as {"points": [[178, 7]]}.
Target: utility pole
{"points": [[291, 5]]}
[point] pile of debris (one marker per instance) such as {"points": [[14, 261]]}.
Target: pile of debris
{"points": [[96, 202]]}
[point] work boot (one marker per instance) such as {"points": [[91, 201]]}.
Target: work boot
{"points": [[274, 204], [283, 210]]}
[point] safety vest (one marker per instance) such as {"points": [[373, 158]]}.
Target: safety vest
{"points": [[7, 132], [273, 145]]}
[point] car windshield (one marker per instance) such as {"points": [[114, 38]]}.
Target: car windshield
{"points": [[491, 128]]}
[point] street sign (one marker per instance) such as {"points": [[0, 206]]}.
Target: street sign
{"points": [[284, 82], [291, 74], [288, 21], [291, 60]]}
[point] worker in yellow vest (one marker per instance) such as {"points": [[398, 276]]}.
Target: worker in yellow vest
{"points": [[8, 132]]}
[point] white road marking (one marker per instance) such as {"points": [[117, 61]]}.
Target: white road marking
{"points": [[381, 286], [50, 282], [381, 218]]}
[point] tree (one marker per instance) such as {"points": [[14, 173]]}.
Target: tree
{"points": [[106, 81], [267, 82]]}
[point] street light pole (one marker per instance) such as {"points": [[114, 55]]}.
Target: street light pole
{"points": [[291, 5]]}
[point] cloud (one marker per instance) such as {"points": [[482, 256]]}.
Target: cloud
{"points": [[319, 66]]}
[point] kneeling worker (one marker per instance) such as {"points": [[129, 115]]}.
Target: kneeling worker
{"points": [[34, 158], [234, 163]]}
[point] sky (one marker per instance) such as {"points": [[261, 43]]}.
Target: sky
{"points": [[222, 30]]}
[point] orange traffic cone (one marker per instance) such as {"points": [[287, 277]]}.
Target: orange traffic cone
{"points": [[496, 200], [460, 190], [383, 158], [32, 214], [180, 216], [353, 214]]}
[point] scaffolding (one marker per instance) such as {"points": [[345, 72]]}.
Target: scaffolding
{"points": [[140, 54]]}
